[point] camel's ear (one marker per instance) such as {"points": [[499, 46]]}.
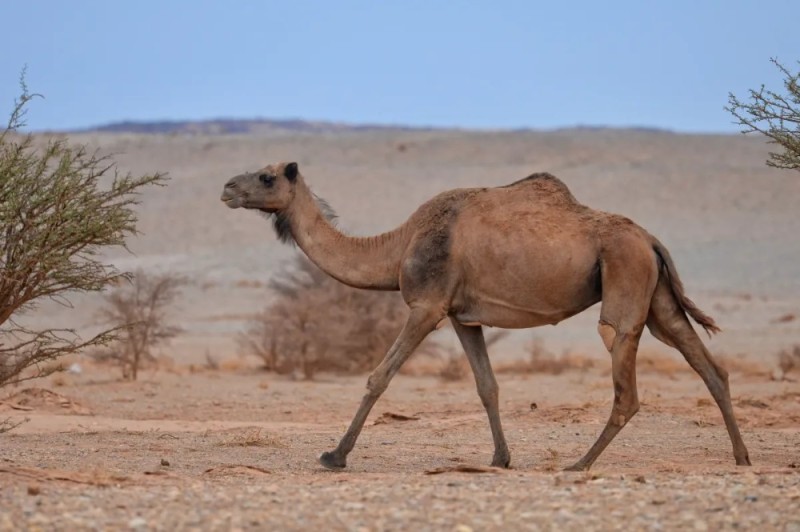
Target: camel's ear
{"points": [[290, 171]]}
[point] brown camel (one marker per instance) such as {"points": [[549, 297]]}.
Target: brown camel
{"points": [[518, 256]]}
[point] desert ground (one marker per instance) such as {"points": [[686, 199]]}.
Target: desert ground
{"points": [[190, 446]]}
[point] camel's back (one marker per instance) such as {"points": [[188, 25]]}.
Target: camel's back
{"points": [[542, 187], [540, 200]]}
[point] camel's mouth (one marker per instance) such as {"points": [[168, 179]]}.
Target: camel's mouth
{"points": [[232, 203]]}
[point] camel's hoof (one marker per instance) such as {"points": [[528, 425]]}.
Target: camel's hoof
{"points": [[503, 461], [744, 461], [331, 461]]}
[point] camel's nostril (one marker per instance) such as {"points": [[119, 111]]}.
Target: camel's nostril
{"points": [[230, 184]]}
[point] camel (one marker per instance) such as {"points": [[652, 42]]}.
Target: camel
{"points": [[516, 256]]}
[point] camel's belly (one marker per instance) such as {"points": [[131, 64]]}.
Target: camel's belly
{"points": [[507, 315], [527, 291]]}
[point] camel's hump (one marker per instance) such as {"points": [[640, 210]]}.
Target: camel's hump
{"points": [[544, 183]]}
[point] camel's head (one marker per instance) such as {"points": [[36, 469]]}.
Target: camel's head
{"points": [[268, 190]]}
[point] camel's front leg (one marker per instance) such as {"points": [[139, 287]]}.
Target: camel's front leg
{"points": [[420, 323]]}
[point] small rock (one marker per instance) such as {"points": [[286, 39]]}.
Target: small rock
{"points": [[640, 479], [463, 528], [353, 506], [534, 406], [165, 462], [33, 489], [137, 523]]}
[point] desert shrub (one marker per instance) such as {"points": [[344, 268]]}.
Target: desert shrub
{"points": [[774, 114], [455, 365], [788, 359], [139, 310], [542, 360], [61, 207], [315, 323]]}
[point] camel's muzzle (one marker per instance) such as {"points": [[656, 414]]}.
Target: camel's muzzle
{"points": [[230, 196]]}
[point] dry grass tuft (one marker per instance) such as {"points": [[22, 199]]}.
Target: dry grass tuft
{"points": [[673, 364], [212, 364], [788, 360], [541, 360], [8, 424], [232, 365], [455, 368], [663, 364], [453, 365], [253, 437], [740, 364], [552, 462]]}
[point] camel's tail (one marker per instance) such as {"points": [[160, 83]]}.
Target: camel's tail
{"points": [[688, 306]]}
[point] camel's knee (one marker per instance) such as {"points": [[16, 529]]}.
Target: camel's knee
{"points": [[377, 383], [607, 333], [624, 411]]}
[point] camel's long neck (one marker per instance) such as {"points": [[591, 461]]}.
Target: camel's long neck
{"points": [[362, 262]]}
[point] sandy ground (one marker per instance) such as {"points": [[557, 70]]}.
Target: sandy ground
{"points": [[237, 450]]}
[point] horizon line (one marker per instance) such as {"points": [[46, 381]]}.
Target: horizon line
{"points": [[308, 125]]}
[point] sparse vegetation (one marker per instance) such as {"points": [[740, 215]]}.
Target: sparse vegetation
{"points": [[139, 310], [61, 206], [541, 360], [774, 114], [316, 323], [252, 437], [8, 424], [788, 359], [456, 366]]}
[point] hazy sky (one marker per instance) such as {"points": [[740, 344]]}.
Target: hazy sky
{"points": [[496, 64]]}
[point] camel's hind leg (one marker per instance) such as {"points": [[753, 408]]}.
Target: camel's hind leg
{"points": [[475, 347], [628, 284], [668, 322]]}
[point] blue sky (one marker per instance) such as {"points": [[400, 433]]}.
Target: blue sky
{"points": [[500, 64]]}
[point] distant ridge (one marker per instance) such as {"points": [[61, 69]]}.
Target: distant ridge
{"points": [[263, 126], [226, 126]]}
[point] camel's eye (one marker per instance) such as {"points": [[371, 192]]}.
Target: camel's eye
{"points": [[268, 180]]}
